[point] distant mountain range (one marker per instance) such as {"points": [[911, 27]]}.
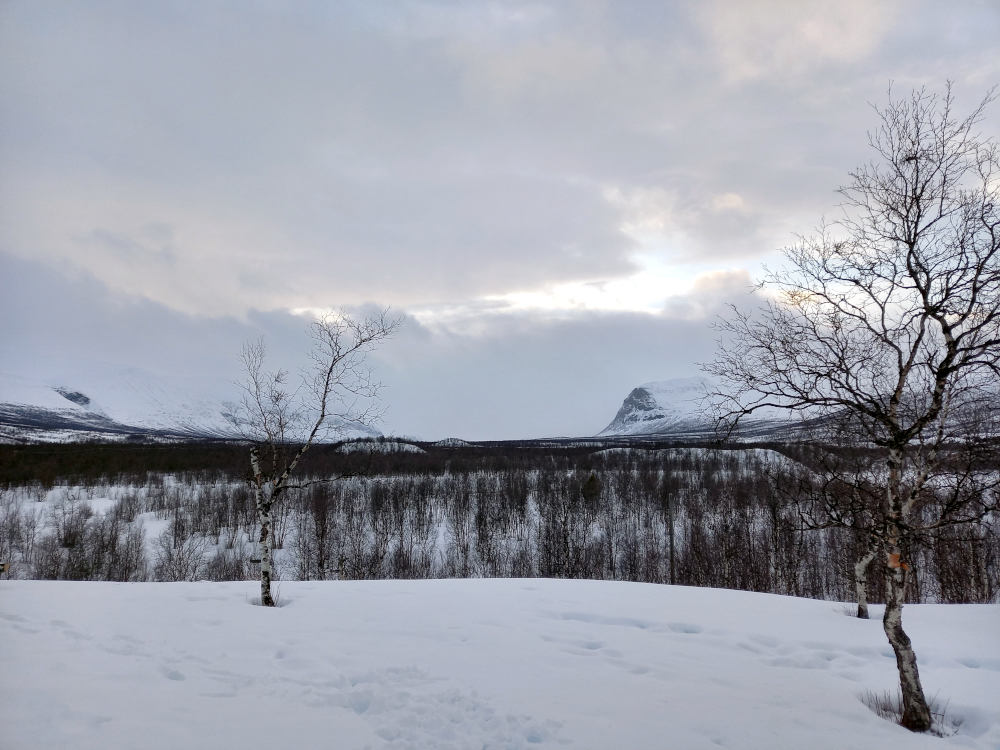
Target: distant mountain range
{"points": [[131, 404], [113, 405]]}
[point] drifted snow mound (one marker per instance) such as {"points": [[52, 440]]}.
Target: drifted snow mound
{"points": [[474, 663], [663, 406]]}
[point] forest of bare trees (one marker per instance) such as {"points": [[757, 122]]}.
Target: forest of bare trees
{"points": [[484, 512]]}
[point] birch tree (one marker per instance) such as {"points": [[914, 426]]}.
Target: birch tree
{"points": [[885, 328], [335, 393]]}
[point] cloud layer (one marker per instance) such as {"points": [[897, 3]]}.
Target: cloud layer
{"points": [[538, 185]]}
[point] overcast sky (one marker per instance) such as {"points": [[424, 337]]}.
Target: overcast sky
{"points": [[560, 197]]}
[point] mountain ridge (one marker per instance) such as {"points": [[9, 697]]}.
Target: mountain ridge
{"points": [[115, 404]]}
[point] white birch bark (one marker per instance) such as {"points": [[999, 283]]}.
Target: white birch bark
{"points": [[861, 577], [264, 497], [916, 713], [266, 557]]}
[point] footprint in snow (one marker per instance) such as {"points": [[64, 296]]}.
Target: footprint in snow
{"points": [[992, 665], [407, 708], [684, 627]]}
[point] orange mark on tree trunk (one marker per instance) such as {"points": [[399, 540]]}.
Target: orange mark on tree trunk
{"points": [[894, 562]]}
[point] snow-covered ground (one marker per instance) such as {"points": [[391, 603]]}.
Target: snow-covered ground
{"points": [[513, 663]]}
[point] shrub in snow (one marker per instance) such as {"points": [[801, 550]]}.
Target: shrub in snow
{"points": [[178, 561]]}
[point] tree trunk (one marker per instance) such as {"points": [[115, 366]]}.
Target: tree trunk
{"points": [[266, 556], [264, 496], [916, 713], [670, 514], [861, 577]]}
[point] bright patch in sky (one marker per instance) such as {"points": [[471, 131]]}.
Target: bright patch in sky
{"points": [[646, 291]]}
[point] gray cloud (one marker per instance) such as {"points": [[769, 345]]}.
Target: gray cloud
{"points": [[62, 323], [469, 149], [516, 376]]}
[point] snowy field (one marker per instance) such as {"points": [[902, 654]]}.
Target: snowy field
{"points": [[517, 663]]}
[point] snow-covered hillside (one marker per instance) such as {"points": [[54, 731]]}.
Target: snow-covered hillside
{"points": [[680, 408], [122, 400], [380, 446], [459, 664], [109, 402]]}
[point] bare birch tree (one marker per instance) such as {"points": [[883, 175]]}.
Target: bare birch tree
{"points": [[280, 424], [885, 326]]}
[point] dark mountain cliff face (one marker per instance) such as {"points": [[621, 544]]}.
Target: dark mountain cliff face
{"points": [[76, 397], [639, 406]]}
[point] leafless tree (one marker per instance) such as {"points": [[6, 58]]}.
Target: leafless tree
{"points": [[280, 424], [885, 328]]}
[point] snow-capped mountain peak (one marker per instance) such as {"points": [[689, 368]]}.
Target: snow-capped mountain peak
{"points": [[661, 406]]}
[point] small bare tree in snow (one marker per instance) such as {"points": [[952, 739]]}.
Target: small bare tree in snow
{"points": [[886, 326], [280, 424]]}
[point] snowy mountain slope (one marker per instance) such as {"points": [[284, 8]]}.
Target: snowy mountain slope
{"points": [[503, 663], [119, 402], [678, 408], [660, 407], [109, 403]]}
